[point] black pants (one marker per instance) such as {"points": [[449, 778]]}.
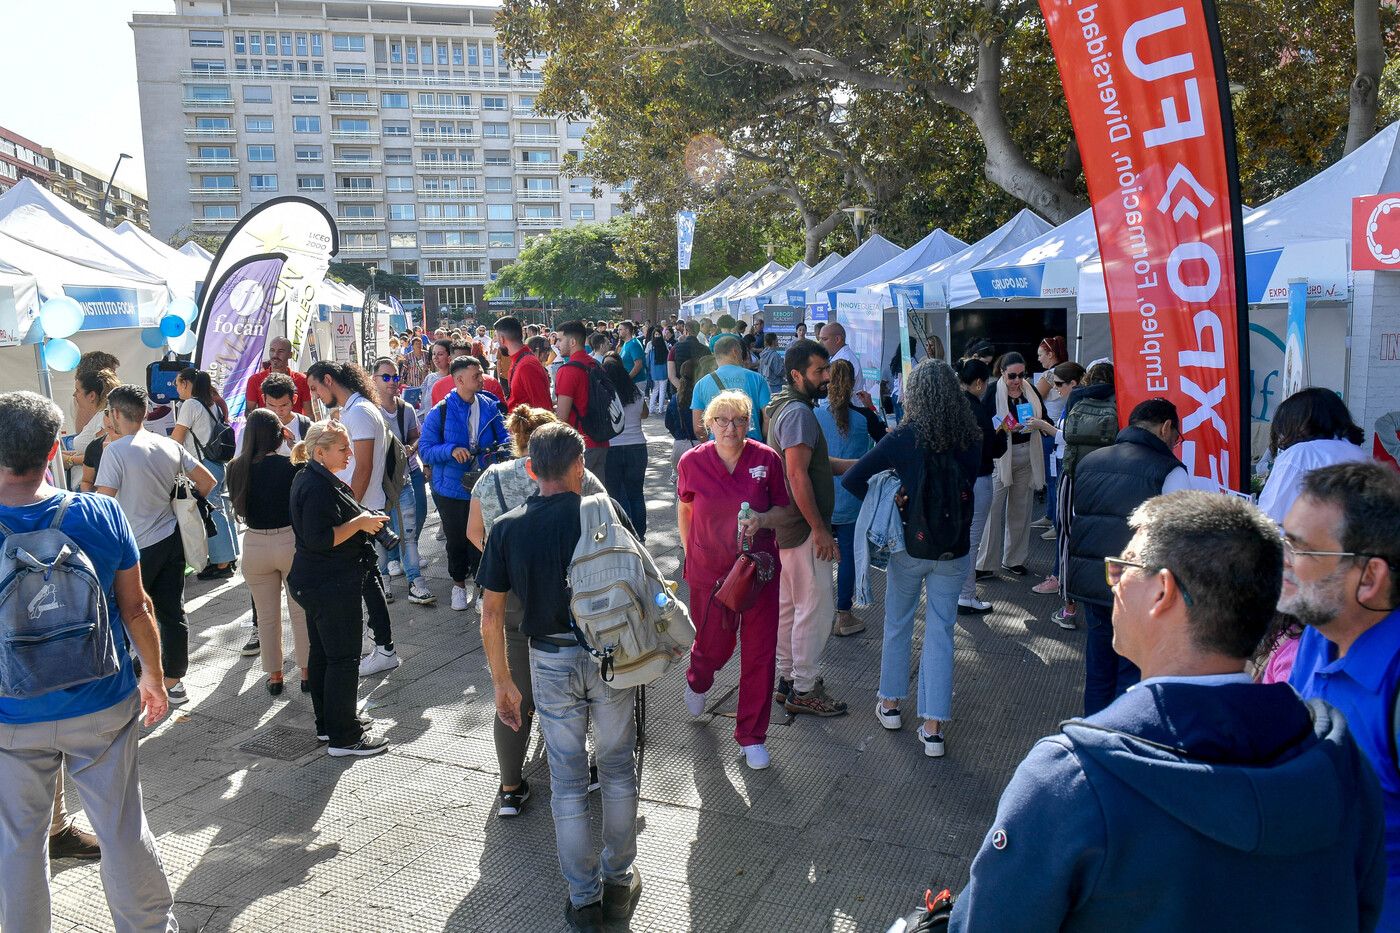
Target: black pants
{"points": [[626, 473], [512, 744], [377, 608], [1107, 674], [163, 576], [333, 627], [462, 556]]}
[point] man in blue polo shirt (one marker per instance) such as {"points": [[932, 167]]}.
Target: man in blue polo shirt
{"points": [[730, 373], [1341, 578], [632, 352], [94, 726]]}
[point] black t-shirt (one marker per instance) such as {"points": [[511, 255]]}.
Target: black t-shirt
{"points": [[528, 554], [688, 349], [92, 454], [269, 500]]}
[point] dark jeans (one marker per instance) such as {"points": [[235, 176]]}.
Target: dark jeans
{"points": [[462, 555], [846, 570], [512, 744], [626, 471], [163, 576], [377, 608], [333, 625], [595, 460], [1107, 674]]}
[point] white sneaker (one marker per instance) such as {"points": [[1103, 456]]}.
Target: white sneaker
{"points": [[379, 660], [933, 744], [695, 702], [460, 603], [756, 757], [891, 719], [419, 594], [388, 591], [395, 568]]}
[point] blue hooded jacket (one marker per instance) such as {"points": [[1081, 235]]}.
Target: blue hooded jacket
{"points": [[447, 427], [1186, 807]]}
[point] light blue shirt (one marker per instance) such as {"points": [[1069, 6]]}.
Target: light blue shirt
{"points": [[744, 380]]}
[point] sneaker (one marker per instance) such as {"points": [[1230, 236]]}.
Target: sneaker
{"points": [[513, 801], [459, 599], [388, 593], [973, 607], [1064, 619], [1049, 535], [213, 572], [72, 842], [782, 691], [368, 745], [586, 919], [695, 702], [1050, 584], [933, 744], [395, 568], [1042, 522], [378, 660], [847, 624], [593, 782], [419, 594], [815, 702], [756, 756], [983, 575], [252, 648], [1016, 569], [620, 900], [365, 724], [176, 694], [891, 719]]}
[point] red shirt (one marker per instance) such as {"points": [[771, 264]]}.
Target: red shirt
{"points": [[529, 381], [572, 382], [716, 494], [254, 396]]}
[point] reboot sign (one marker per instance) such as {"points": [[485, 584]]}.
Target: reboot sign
{"points": [[1147, 93]]}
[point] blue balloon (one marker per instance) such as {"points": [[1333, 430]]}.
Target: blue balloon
{"points": [[152, 337], [61, 316], [62, 355], [184, 309], [172, 326]]}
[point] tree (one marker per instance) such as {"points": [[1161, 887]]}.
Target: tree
{"points": [[571, 262], [186, 233], [356, 275], [1370, 62]]}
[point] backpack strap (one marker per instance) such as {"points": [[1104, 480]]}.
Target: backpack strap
{"points": [[719, 386], [500, 494], [398, 414], [62, 510]]}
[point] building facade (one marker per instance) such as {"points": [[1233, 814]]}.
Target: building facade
{"points": [[21, 157], [403, 119], [82, 186]]}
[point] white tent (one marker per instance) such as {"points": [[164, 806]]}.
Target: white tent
{"points": [[798, 270], [1045, 269], [869, 255], [744, 301], [182, 272], [788, 291], [937, 246], [191, 248], [36, 216], [696, 305], [926, 287], [719, 301]]}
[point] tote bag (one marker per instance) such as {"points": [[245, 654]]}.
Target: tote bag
{"points": [[185, 502]]}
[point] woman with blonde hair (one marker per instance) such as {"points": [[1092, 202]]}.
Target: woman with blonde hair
{"points": [[334, 553]]}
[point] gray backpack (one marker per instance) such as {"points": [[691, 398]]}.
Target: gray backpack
{"points": [[55, 630], [625, 613]]}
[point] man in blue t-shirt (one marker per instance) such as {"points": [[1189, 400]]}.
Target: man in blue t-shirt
{"points": [[94, 726], [632, 353], [730, 373]]}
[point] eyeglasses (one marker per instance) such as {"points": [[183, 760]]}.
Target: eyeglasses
{"points": [[385, 377], [1293, 552], [741, 423], [1113, 568], [1014, 375]]}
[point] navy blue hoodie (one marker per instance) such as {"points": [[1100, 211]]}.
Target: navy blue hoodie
{"points": [[1184, 807]]}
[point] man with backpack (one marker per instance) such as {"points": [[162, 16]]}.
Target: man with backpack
{"points": [[84, 706], [529, 553], [729, 373], [583, 397]]}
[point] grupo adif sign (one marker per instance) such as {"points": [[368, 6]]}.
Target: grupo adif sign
{"points": [[1147, 93]]}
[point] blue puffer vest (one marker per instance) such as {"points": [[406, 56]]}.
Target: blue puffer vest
{"points": [[447, 427]]}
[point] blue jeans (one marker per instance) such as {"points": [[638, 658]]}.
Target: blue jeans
{"points": [[401, 516], [904, 581], [981, 507], [1107, 674], [223, 547], [625, 476], [846, 570], [569, 693], [420, 502]]}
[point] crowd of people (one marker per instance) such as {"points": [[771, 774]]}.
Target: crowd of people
{"points": [[1238, 658]]}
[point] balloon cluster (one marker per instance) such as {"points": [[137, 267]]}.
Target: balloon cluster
{"points": [[175, 329], [60, 318]]}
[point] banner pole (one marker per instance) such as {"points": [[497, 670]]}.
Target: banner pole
{"points": [[59, 471]]}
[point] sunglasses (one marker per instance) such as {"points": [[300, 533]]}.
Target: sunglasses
{"points": [[385, 377], [1114, 567], [1014, 376]]}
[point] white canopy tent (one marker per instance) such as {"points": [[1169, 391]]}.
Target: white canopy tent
{"points": [[181, 271], [696, 305], [191, 248], [871, 254], [783, 292], [937, 246], [719, 301], [798, 270], [745, 300]]}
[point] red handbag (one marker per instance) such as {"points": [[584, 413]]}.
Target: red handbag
{"points": [[744, 583]]}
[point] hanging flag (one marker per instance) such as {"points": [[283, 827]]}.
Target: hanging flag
{"points": [[235, 324], [685, 237], [1147, 93]]}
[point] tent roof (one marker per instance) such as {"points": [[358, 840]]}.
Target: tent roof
{"points": [[35, 216], [760, 284], [191, 248], [870, 254], [746, 280], [181, 271], [714, 289], [937, 246], [798, 270], [1017, 231]]}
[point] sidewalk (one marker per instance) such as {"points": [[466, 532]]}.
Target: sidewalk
{"points": [[260, 830]]}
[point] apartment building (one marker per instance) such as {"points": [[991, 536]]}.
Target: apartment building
{"points": [[403, 119], [82, 186], [21, 157]]}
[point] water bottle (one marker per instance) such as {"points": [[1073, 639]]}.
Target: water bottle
{"points": [[662, 601], [745, 512]]}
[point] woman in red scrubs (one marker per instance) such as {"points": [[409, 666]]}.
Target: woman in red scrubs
{"points": [[716, 478]]}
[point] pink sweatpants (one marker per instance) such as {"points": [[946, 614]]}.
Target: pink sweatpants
{"points": [[716, 632]]}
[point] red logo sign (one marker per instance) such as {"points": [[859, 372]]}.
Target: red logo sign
{"points": [[1375, 232]]}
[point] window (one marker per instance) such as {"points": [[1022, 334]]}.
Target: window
{"points": [[497, 156], [399, 183], [216, 182], [359, 240], [576, 130], [212, 123], [457, 55], [350, 71], [306, 124], [240, 44], [442, 55], [452, 238], [581, 212], [353, 155], [500, 212], [211, 92], [206, 39], [396, 53], [464, 101], [356, 183], [541, 184], [286, 43], [395, 127], [581, 186], [527, 103], [401, 212], [488, 56], [348, 43], [501, 240], [302, 68], [454, 266], [537, 156], [223, 153], [311, 182], [255, 43], [220, 212], [398, 156], [257, 94], [473, 53], [305, 95], [450, 211], [346, 125], [302, 47], [394, 101], [208, 66], [493, 103], [619, 211], [317, 49], [403, 241], [412, 55], [257, 124], [404, 267], [498, 185], [546, 211], [262, 154], [262, 182], [358, 211], [309, 154], [350, 97], [318, 67], [496, 130]]}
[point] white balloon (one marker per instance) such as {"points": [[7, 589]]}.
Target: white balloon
{"points": [[61, 317], [185, 343], [183, 308]]}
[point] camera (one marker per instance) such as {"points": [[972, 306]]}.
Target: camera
{"points": [[385, 536]]}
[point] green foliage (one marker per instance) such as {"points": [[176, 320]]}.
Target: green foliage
{"points": [[357, 276]]}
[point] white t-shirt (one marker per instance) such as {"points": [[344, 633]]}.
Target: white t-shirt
{"points": [[142, 468], [361, 418], [1286, 478], [197, 424], [425, 401], [849, 355], [284, 449]]}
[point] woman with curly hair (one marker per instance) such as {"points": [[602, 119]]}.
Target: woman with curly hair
{"points": [[939, 432]]}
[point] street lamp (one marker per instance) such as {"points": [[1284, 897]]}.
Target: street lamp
{"points": [[107, 192], [770, 248], [858, 215]]}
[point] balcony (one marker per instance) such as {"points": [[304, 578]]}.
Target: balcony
{"points": [[551, 168], [455, 278], [359, 194], [453, 250], [215, 194], [433, 110], [537, 139], [452, 221], [536, 194], [528, 113], [196, 104], [214, 223], [355, 136], [359, 223], [424, 165], [446, 139], [230, 162], [495, 113], [541, 221], [193, 133], [360, 250], [468, 82], [439, 194], [354, 106], [354, 165]]}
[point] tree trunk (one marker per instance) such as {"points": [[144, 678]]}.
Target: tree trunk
{"points": [[1365, 87], [815, 231], [1007, 167]]}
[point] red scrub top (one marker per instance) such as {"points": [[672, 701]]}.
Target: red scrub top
{"points": [[716, 495]]}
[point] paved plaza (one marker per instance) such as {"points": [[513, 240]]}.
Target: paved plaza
{"points": [[261, 830]]}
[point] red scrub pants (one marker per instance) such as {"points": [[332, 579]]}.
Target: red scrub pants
{"points": [[716, 632]]}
